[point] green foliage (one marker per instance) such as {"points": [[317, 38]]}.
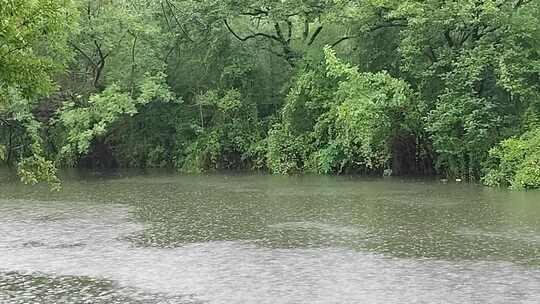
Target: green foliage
{"points": [[84, 124], [33, 166], [117, 42], [515, 162], [404, 85], [474, 67], [32, 43], [228, 134], [371, 110], [287, 153], [342, 119], [35, 169], [33, 38], [203, 154]]}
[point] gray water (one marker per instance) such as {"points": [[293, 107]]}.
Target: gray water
{"points": [[164, 238]]}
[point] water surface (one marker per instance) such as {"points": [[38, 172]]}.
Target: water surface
{"points": [[165, 238]]}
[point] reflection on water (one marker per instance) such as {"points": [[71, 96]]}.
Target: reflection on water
{"points": [[162, 238]]}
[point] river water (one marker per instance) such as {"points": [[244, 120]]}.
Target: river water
{"points": [[165, 238]]}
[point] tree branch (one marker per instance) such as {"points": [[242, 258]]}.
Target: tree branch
{"points": [[255, 13], [99, 66], [133, 63], [255, 35], [180, 25], [448, 38], [372, 29], [289, 30], [279, 33], [315, 34], [74, 46], [305, 34]]}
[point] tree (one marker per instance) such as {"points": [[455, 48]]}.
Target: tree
{"points": [[326, 86], [474, 65], [290, 28], [347, 121], [33, 39], [120, 66]]}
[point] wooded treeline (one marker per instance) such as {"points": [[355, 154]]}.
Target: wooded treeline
{"points": [[402, 87]]}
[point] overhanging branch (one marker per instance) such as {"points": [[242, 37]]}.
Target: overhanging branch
{"points": [[252, 36], [315, 34], [372, 29]]}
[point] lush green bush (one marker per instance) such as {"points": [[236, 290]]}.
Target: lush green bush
{"points": [[287, 152], [33, 48], [337, 119], [402, 87], [228, 135], [515, 162], [86, 121]]}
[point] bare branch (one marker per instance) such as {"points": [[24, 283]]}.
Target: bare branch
{"points": [[255, 35], [255, 13], [372, 29], [315, 34], [430, 53], [340, 40], [180, 25], [448, 38], [133, 63], [279, 33], [165, 15], [289, 30], [76, 48], [306, 30]]}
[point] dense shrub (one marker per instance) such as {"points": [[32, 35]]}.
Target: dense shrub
{"points": [[338, 119], [228, 136], [515, 162]]}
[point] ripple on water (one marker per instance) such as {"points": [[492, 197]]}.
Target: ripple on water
{"points": [[108, 269], [321, 227], [228, 246], [19, 288]]}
